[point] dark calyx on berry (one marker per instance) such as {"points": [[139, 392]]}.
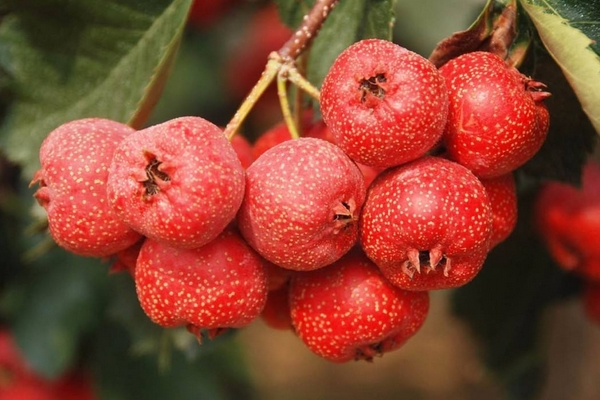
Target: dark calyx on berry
{"points": [[153, 173], [372, 86]]}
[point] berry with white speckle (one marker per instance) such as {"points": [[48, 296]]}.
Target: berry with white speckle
{"points": [[502, 193], [74, 159], [222, 284], [427, 224], [179, 182], [302, 203], [384, 104], [349, 311], [497, 120]]}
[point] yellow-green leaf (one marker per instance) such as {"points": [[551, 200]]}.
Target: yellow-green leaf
{"points": [[569, 31]]}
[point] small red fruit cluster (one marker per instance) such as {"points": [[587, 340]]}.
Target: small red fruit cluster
{"points": [[568, 221], [306, 235]]}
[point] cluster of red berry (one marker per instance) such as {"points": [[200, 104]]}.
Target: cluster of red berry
{"points": [[302, 235], [568, 220]]}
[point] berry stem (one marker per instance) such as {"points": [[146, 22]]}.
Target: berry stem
{"points": [[300, 81], [311, 24], [285, 105], [271, 70], [285, 59]]}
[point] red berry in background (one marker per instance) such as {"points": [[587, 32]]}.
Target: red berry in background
{"points": [[502, 193], [276, 313], [384, 104], [222, 284], [74, 170], [125, 260], [179, 182], [568, 220], [277, 276], [263, 34], [302, 202], [427, 224], [349, 311], [203, 13], [243, 149], [497, 120]]}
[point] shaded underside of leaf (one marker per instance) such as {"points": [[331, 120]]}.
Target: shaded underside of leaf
{"points": [[68, 60], [570, 31]]}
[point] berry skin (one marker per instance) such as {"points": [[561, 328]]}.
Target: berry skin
{"points": [[276, 313], [302, 202], [427, 224], [179, 182], [243, 149], [73, 184], [502, 193], [384, 104], [497, 120], [222, 284], [349, 311], [568, 220]]}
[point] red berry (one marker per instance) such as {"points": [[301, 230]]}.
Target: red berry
{"points": [[222, 284], [243, 149], [125, 260], [349, 311], [302, 202], [502, 193], [496, 119], [203, 13], [568, 220], [276, 313], [179, 182], [320, 130], [427, 224], [384, 104], [74, 170]]}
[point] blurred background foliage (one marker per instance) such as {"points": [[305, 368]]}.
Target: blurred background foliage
{"points": [[68, 313]]}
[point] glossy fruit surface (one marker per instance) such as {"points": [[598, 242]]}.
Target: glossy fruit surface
{"points": [[75, 159], [384, 104], [497, 120], [349, 311], [179, 182], [222, 284], [302, 202], [427, 224]]}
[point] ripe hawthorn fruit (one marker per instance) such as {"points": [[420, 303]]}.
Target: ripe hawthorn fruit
{"points": [[75, 159], [384, 104], [243, 149], [179, 182], [502, 193], [497, 120], [349, 311], [302, 203], [220, 285], [568, 221], [427, 224]]}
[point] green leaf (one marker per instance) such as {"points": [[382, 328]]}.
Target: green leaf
{"points": [[292, 11], [349, 22], [88, 58], [218, 375], [505, 303], [571, 137], [60, 302], [570, 30]]}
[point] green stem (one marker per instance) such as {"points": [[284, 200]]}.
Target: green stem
{"points": [[285, 106], [300, 81], [271, 70]]}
